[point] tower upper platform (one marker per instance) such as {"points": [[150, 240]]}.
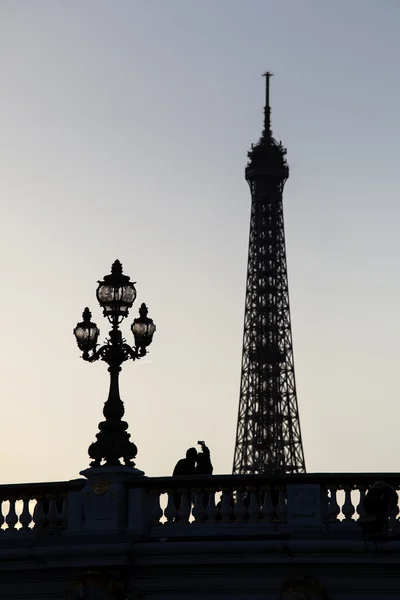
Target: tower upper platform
{"points": [[267, 157]]}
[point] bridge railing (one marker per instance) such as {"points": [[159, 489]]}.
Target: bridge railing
{"points": [[324, 498], [317, 499], [36, 506]]}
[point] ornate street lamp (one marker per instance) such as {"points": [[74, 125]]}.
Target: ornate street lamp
{"points": [[116, 294]]}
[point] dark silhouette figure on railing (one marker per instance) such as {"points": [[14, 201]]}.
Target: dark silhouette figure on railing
{"points": [[195, 463], [186, 466], [204, 467], [379, 502], [203, 461]]}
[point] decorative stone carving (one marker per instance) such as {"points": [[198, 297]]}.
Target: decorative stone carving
{"points": [[100, 488], [90, 592], [302, 588], [96, 585]]}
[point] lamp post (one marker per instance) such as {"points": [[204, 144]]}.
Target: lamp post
{"points": [[116, 294]]}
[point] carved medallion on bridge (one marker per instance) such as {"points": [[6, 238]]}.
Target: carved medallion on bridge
{"points": [[303, 588], [100, 488], [96, 585]]}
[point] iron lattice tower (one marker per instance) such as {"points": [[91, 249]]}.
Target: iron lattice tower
{"points": [[268, 437]]}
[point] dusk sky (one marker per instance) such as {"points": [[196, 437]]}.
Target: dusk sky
{"points": [[125, 127]]}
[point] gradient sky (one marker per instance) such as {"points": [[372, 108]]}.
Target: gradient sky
{"points": [[125, 126]]}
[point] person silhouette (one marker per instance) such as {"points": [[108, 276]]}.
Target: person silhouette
{"points": [[185, 467], [204, 467], [203, 461]]}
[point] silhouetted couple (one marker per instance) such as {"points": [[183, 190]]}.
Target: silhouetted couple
{"points": [[195, 463]]}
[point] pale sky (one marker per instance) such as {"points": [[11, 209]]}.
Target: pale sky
{"points": [[125, 127]]}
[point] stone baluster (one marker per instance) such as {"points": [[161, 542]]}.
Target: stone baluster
{"points": [[198, 511], [281, 511], [211, 510], [157, 512], [170, 511], [2, 519], [225, 511], [240, 509], [348, 509], [324, 504], [393, 515], [333, 507], [52, 517], [360, 508], [39, 516], [254, 507], [267, 509], [185, 507], [12, 517], [64, 511], [25, 517]]}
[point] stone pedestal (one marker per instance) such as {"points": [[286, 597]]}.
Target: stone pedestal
{"points": [[105, 504]]}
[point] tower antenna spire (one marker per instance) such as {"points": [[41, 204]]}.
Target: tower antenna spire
{"points": [[267, 109]]}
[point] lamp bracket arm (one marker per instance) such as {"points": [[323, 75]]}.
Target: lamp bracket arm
{"points": [[95, 354], [130, 353]]}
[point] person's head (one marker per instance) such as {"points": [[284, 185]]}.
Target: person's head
{"points": [[191, 454]]}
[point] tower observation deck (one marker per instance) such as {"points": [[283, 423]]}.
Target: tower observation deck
{"points": [[268, 437]]}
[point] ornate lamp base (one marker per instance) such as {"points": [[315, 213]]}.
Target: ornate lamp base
{"points": [[113, 443]]}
